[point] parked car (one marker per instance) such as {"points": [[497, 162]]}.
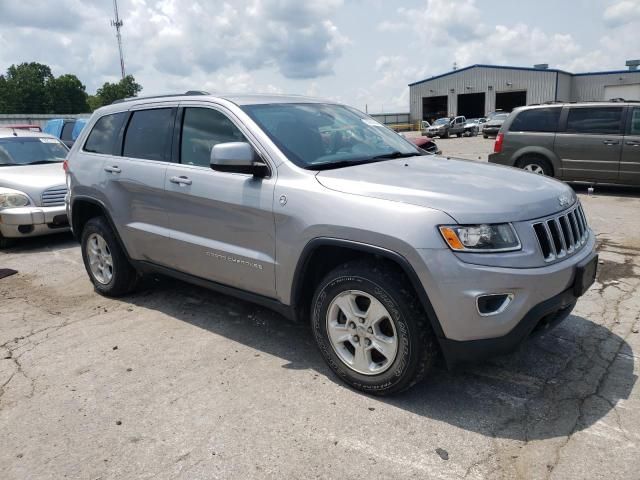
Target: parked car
{"points": [[63, 129], [471, 127], [492, 126], [23, 126], [77, 128], [391, 258], [425, 143], [444, 127], [490, 115], [597, 142], [32, 185]]}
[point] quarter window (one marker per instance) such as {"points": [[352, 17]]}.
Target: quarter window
{"points": [[603, 120], [536, 120], [202, 128], [148, 134], [104, 134], [67, 128]]}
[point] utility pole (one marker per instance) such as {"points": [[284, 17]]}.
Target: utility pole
{"points": [[117, 22]]}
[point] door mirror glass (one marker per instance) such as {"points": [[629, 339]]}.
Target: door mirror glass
{"points": [[237, 157]]}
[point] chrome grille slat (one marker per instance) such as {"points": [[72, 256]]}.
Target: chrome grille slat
{"points": [[54, 196], [563, 234]]}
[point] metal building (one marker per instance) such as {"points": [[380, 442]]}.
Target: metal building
{"points": [[478, 89]]}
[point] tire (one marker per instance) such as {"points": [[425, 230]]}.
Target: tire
{"points": [[402, 323], [445, 135], [6, 242], [535, 164], [459, 135], [485, 136], [118, 277]]}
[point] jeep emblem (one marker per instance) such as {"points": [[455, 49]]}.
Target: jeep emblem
{"points": [[564, 200]]}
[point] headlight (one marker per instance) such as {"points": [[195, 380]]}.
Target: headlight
{"points": [[13, 199], [481, 238]]}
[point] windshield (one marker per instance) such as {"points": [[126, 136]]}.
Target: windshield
{"points": [[318, 136], [441, 121], [30, 150]]}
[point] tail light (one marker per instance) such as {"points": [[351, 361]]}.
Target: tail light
{"points": [[65, 165], [497, 147]]}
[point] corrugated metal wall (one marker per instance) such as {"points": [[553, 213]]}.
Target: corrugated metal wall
{"points": [[564, 87], [540, 87], [585, 88]]}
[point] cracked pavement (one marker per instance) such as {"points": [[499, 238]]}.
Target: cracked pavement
{"points": [[179, 382]]}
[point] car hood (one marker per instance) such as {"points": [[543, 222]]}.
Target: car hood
{"points": [[33, 179], [469, 191]]}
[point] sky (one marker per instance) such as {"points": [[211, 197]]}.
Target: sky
{"points": [[360, 52]]}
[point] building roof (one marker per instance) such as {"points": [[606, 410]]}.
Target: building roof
{"points": [[531, 69]]}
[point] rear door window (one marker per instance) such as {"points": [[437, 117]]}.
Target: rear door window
{"points": [[595, 120], [148, 134], [536, 120], [104, 135], [202, 128], [67, 129]]}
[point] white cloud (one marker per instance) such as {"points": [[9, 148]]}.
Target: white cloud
{"points": [[621, 13]]}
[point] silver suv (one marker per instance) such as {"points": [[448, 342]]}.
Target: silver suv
{"points": [[316, 210]]}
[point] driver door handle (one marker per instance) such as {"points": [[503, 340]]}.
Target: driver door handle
{"points": [[610, 142], [112, 169], [181, 180]]}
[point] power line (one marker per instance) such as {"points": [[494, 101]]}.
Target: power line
{"points": [[117, 22]]}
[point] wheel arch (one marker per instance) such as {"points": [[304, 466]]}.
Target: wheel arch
{"points": [[313, 265], [539, 152], [84, 209]]}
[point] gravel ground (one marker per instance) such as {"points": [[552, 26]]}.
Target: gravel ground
{"points": [[179, 382]]}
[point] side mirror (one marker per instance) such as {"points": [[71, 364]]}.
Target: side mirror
{"points": [[237, 157]]}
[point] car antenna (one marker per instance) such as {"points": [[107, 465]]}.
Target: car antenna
{"points": [[15, 134]]}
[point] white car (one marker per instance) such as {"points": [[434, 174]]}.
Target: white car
{"points": [[32, 185]]}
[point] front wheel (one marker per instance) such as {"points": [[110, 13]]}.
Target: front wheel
{"points": [[371, 329]]}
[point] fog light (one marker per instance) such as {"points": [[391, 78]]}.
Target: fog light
{"points": [[493, 304], [24, 229]]}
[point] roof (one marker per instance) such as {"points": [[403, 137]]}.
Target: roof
{"points": [[10, 132], [530, 69]]}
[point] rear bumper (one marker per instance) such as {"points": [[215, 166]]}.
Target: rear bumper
{"points": [[500, 159], [32, 221], [545, 315]]}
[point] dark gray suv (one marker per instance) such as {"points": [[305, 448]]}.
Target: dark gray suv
{"points": [[596, 142]]}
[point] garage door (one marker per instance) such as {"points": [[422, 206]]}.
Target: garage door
{"points": [[628, 92]]}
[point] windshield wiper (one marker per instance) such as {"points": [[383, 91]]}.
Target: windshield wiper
{"points": [[41, 162], [397, 154]]}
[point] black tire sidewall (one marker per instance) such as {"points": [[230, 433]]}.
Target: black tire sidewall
{"points": [[401, 371], [120, 282]]}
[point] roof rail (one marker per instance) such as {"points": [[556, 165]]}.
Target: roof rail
{"points": [[190, 92]]}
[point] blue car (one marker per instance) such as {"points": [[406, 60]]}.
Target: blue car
{"points": [[66, 129]]}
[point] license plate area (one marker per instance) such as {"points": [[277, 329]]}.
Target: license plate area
{"points": [[585, 276]]}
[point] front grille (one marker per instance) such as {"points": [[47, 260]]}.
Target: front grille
{"points": [[54, 196], [563, 234]]}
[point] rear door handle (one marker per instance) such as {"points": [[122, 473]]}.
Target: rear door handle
{"points": [[610, 142], [180, 180], [112, 169]]}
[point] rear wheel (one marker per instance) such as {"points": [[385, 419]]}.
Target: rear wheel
{"points": [[459, 135], [485, 135], [537, 165], [371, 329], [106, 263]]}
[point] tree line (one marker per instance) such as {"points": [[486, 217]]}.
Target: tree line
{"points": [[32, 88]]}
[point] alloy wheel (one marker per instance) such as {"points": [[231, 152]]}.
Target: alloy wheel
{"points": [[100, 260], [361, 332]]}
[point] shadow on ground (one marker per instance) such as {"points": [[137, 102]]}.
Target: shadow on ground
{"points": [[56, 241], [554, 385]]}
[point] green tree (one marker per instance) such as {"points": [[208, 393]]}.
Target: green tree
{"points": [[109, 92], [67, 94], [26, 88], [94, 102]]}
